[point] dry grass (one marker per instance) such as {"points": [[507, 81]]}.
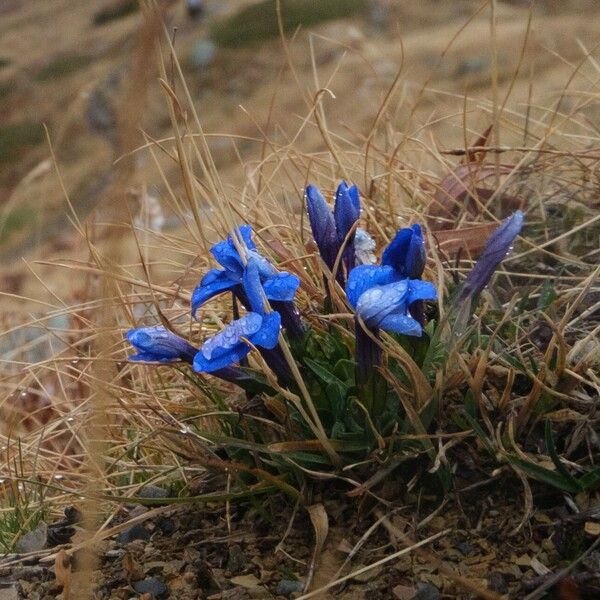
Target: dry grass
{"points": [[151, 418]]}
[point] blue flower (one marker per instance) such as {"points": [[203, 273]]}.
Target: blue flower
{"points": [[406, 252], [279, 286], [382, 298], [498, 245], [330, 228], [158, 344], [228, 346]]}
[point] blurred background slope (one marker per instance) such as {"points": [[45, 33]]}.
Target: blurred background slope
{"points": [[69, 64]]}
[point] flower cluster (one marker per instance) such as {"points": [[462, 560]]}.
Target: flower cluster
{"points": [[254, 281], [389, 296]]}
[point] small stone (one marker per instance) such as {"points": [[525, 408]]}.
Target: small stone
{"points": [[286, 587], [152, 491], [246, 581], [34, 540], [151, 585], [135, 532], [167, 526], [465, 548], [426, 591], [9, 593], [497, 583], [236, 560], [137, 511]]}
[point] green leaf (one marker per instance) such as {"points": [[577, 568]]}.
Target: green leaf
{"points": [[345, 369], [549, 439], [547, 295], [590, 480], [336, 394], [324, 374], [552, 478], [476, 427]]}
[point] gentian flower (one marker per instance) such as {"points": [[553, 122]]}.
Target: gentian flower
{"points": [[330, 229], [498, 245], [228, 346], [387, 297], [406, 252], [382, 298], [279, 286], [158, 344]]}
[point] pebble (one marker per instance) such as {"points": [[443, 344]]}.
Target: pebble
{"points": [[287, 587], [497, 583], [135, 532], [151, 585], [426, 591], [9, 593], [465, 548], [34, 540], [236, 560], [152, 491]]}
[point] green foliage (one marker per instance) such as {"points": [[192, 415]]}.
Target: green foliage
{"points": [[15, 137], [63, 66], [22, 507], [258, 22]]}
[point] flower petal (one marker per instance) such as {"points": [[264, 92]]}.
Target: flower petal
{"points": [[346, 210], [213, 283], [231, 335], [159, 344], [406, 252], [209, 365], [363, 277], [268, 334], [379, 301], [226, 253], [401, 323], [420, 290], [253, 288], [282, 286]]}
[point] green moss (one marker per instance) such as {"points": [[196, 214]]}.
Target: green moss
{"points": [[15, 137], [259, 21], [115, 11], [65, 65]]}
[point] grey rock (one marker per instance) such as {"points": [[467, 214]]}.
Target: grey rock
{"points": [[465, 548], [135, 532], [426, 591], [287, 587], [153, 491], [151, 585], [34, 540], [236, 560], [498, 583], [9, 593]]}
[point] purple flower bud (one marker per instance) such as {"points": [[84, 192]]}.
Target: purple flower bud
{"points": [[322, 225], [498, 245]]}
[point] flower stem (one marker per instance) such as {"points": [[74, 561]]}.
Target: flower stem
{"points": [[369, 381]]}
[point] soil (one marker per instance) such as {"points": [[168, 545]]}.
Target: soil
{"points": [[243, 551]]}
